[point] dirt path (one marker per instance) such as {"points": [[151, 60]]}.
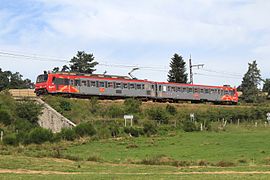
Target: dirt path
{"points": [[23, 171]]}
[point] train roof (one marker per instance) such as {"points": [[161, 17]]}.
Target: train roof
{"points": [[126, 78]]}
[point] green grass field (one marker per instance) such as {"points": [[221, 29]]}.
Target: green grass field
{"points": [[247, 149]]}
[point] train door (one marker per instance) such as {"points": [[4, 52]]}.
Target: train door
{"points": [[77, 84]]}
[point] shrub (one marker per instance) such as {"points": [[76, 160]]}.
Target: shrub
{"points": [[65, 105], [10, 139], [132, 105], [5, 117], [39, 136], [114, 130], [68, 134], [115, 111], [23, 125], [95, 158], [28, 110], [149, 128], [171, 109], [158, 114], [189, 126], [225, 164], [136, 132], [85, 129], [94, 105]]}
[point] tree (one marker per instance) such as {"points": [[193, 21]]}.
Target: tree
{"points": [[250, 83], [83, 63], [65, 68], [55, 69], [266, 86], [13, 80], [178, 70]]}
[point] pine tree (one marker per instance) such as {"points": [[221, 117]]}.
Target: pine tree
{"points": [[266, 86], [83, 63], [178, 70], [250, 83]]}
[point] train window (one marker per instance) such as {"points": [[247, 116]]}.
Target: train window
{"points": [[222, 92], [42, 78], [66, 81], [196, 90], [72, 82], [173, 89], [101, 84], [169, 88], [125, 85], [184, 90], [206, 91], [131, 86], [110, 84], [232, 93], [139, 86], [202, 91], [226, 92], [77, 83], [118, 85], [212, 91], [153, 87], [164, 88], [93, 84], [84, 83], [218, 91], [190, 90], [143, 86]]}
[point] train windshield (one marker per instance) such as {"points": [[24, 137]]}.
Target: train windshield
{"points": [[42, 78]]}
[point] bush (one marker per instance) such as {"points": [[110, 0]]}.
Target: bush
{"points": [[85, 129], [5, 117], [135, 132], [68, 134], [39, 136], [115, 111], [171, 109], [189, 126], [114, 130], [158, 114], [10, 139], [65, 105], [23, 125], [132, 106], [28, 110], [94, 105], [149, 128]]}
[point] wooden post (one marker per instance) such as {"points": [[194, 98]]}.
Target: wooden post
{"points": [[201, 127], [238, 122], [1, 135], [125, 122], [256, 124]]}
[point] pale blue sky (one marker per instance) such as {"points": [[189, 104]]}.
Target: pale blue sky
{"points": [[222, 34]]}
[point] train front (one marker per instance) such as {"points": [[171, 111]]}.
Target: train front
{"points": [[41, 86]]}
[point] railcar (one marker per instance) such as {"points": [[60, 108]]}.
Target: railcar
{"points": [[110, 86], [196, 93], [94, 85]]}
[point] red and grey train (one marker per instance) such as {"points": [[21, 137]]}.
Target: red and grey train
{"points": [[109, 86]]}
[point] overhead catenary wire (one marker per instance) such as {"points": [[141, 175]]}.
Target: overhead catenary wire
{"points": [[35, 57]]}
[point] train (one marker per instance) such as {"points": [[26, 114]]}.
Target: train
{"points": [[120, 87]]}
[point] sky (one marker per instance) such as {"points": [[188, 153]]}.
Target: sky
{"points": [[224, 35]]}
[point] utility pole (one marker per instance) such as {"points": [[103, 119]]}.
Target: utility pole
{"points": [[190, 69]]}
